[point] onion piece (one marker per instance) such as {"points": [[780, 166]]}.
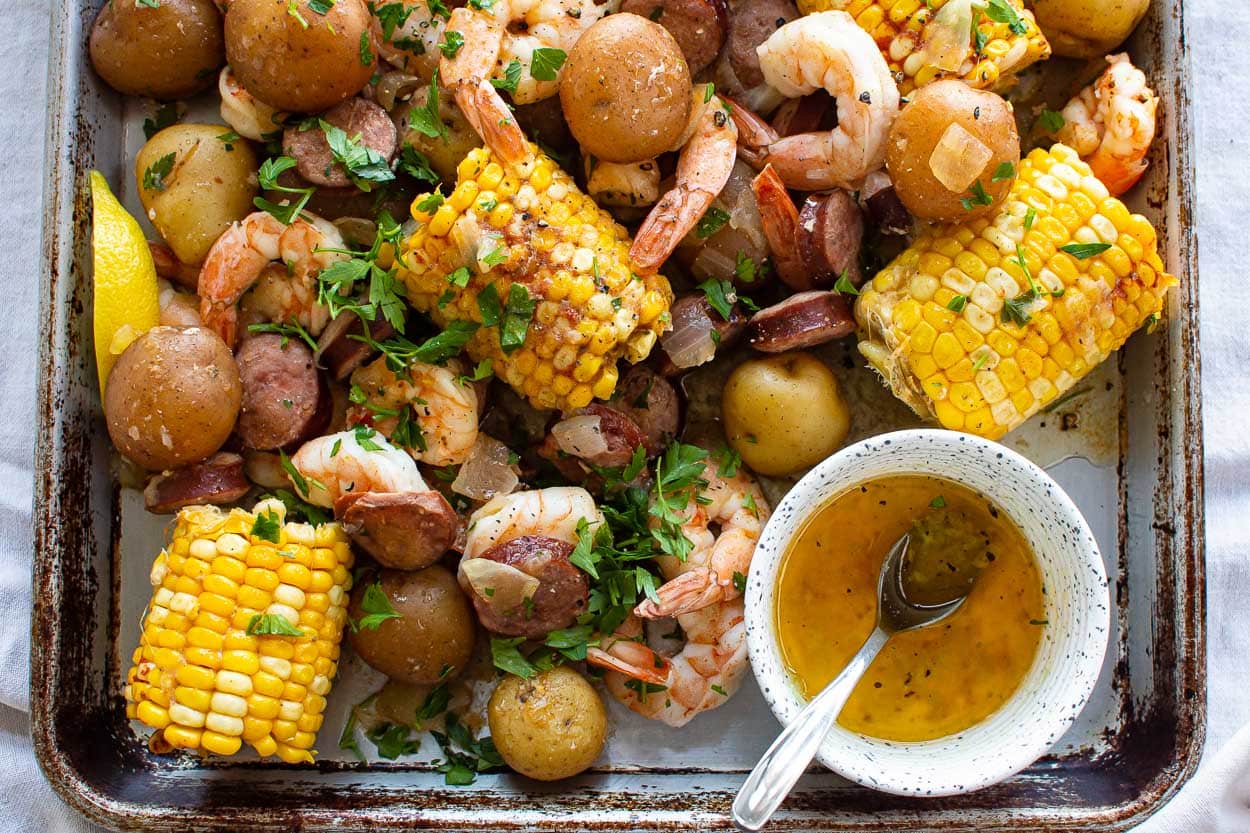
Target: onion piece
{"points": [[690, 342], [486, 472], [502, 587], [959, 158], [395, 87], [581, 436], [948, 36]]}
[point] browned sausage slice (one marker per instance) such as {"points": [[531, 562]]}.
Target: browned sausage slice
{"points": [[831, 229], [282, 392], [356, 117], [217, 480], [404, 530], [699, 26], [563, 590], [618, 431], [802, 320], [653, 403], [884, 208], [749, 26], [340, 349]]}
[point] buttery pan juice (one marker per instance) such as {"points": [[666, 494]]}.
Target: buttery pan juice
{"points": [[930, 682]]}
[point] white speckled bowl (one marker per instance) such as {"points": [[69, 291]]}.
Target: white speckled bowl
{"points": [[1069, 656]]}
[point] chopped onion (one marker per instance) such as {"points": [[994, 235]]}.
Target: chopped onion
{"points": [[394, 87], [503, 587], [487, 472], [948, 37], [690, 343], [959, 158], [581, 436]]}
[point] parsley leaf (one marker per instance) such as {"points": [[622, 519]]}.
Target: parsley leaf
{"points": [[511, 77], [978, 197], [546, 62], [392, 740], [271, 624], [268, 175], [1051, 121], [452, 41], [400, 352], [417, 165], [366, 53], [711, 222], [154, 176], [1005, 170], [364, 165], [166, 115], [504, 654], [288, 331], [426, 120], [391, 16], [678, 472], [296, 508], [1084, 251], [721, 295], [957, 303], [843, 285], [518, 311], [267, 527], [377, 608], [1001, 11]]}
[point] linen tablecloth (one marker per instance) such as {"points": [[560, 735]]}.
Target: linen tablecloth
{"points": [[1218, 797]]}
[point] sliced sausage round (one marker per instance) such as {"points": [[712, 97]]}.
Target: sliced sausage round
{"points": [[282, 392], [340, 349], [699, 26], [882, 205], [620, 434], [802, 320], [403, 530], [652, 403], [563, 590], [749, 26], [217, 480], [356, 117], [831, 229]]}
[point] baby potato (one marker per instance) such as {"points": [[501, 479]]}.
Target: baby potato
{"points": [[172, 397], [296, 59], [435, 628], [193, 185], [1088, 28], [953, 151], [783, 413], [550, 726], [166, 51], [626, 89]]}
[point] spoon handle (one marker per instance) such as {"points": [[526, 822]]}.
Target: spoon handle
{"points": [[774, 776]]}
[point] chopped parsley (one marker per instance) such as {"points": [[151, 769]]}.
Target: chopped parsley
{"points": [[518, 311], [154, 176], [364, 165], [711, 222], [166, 115], [377, 608], [452, 41], [1001, 11], [1084, 251], [511, 77], [1051, 121], [938, 502], [391, 16], [416, 164], [267, 527], [978, 197], [288, 331], [268, 175], [843, 285], [957, 303], [1006, 170], [426, 120], [721, 295], [271, 624], [546, 62], [366, 52]]}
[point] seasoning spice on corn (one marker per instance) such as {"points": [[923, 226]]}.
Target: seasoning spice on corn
{"points": [[980, 325], [542, 271], [240, 642], [990, 44]]}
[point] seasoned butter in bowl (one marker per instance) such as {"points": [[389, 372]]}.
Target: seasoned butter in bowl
{"points": [[969, 700]]}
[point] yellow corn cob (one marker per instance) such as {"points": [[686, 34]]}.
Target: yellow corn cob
{"points": [[530, 225], [199, 678], [941, 322], [898, 28]]}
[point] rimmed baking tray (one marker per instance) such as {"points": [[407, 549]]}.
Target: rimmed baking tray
{"points": [[1129, 449]]}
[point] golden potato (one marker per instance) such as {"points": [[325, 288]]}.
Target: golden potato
{"points": [[550, 726], [172, 50], [296, 59], [172, 397], [783, 413], [626, 89], [1088, 28], [953, 152], [193, 185], [435, 628]]}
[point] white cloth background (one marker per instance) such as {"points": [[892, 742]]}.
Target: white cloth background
{"points": [[1218, 799]]}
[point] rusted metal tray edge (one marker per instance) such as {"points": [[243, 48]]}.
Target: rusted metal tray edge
{"points": [[64, 451]]}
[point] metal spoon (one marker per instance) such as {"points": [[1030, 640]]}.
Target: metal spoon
{"points": [[776, 773]]}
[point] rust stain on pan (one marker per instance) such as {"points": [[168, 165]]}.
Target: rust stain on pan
{"points": [[94, 761]]}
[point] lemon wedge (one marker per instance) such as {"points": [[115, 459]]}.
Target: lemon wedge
{"points": [[125, 295]]}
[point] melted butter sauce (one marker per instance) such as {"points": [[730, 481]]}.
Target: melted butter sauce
{"points": [[926, 683]]}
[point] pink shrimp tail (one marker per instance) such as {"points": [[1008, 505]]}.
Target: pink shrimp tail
{"points": [[633, 659], [1117, 174], [688, 592]]}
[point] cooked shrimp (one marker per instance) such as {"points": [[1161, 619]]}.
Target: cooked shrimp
{"points": [[468, 76], [716, 560], [779, 217], [553, 512], [1111, 124], [544, 24], [413, 42], [444, 409], [249, 117], [278, 298], [336, 464], [703, 168], [623, 183], [829, 51], [754, 134], [704, 674], [178, 309], [239, 257]]}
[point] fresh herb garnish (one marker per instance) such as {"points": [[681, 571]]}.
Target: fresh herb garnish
{"points": [[518, 311], [166, 115], [978, 197], [511, 77], [1084, 251], [711, 222], [1001, 11], [267, 527], [546, 63], [721, 295], [154, 176], [270, 169], [271, 624], [843, 285], [364, 165], [377, 608], [957, 303], [1005, 170], [1051, 121], [288, 331], [426, 120]]}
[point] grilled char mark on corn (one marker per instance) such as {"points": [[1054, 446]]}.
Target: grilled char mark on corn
{"points": [[198, 677], [942, 323], [528, 224], [898, 28]]}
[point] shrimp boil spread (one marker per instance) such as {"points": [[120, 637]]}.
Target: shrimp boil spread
{"points": [[397, 313], [928, 682]]}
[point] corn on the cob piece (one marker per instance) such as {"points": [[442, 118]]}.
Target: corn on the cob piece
{"points": [[898, 28], [213, 668], [530, 226], [965, 335]]}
